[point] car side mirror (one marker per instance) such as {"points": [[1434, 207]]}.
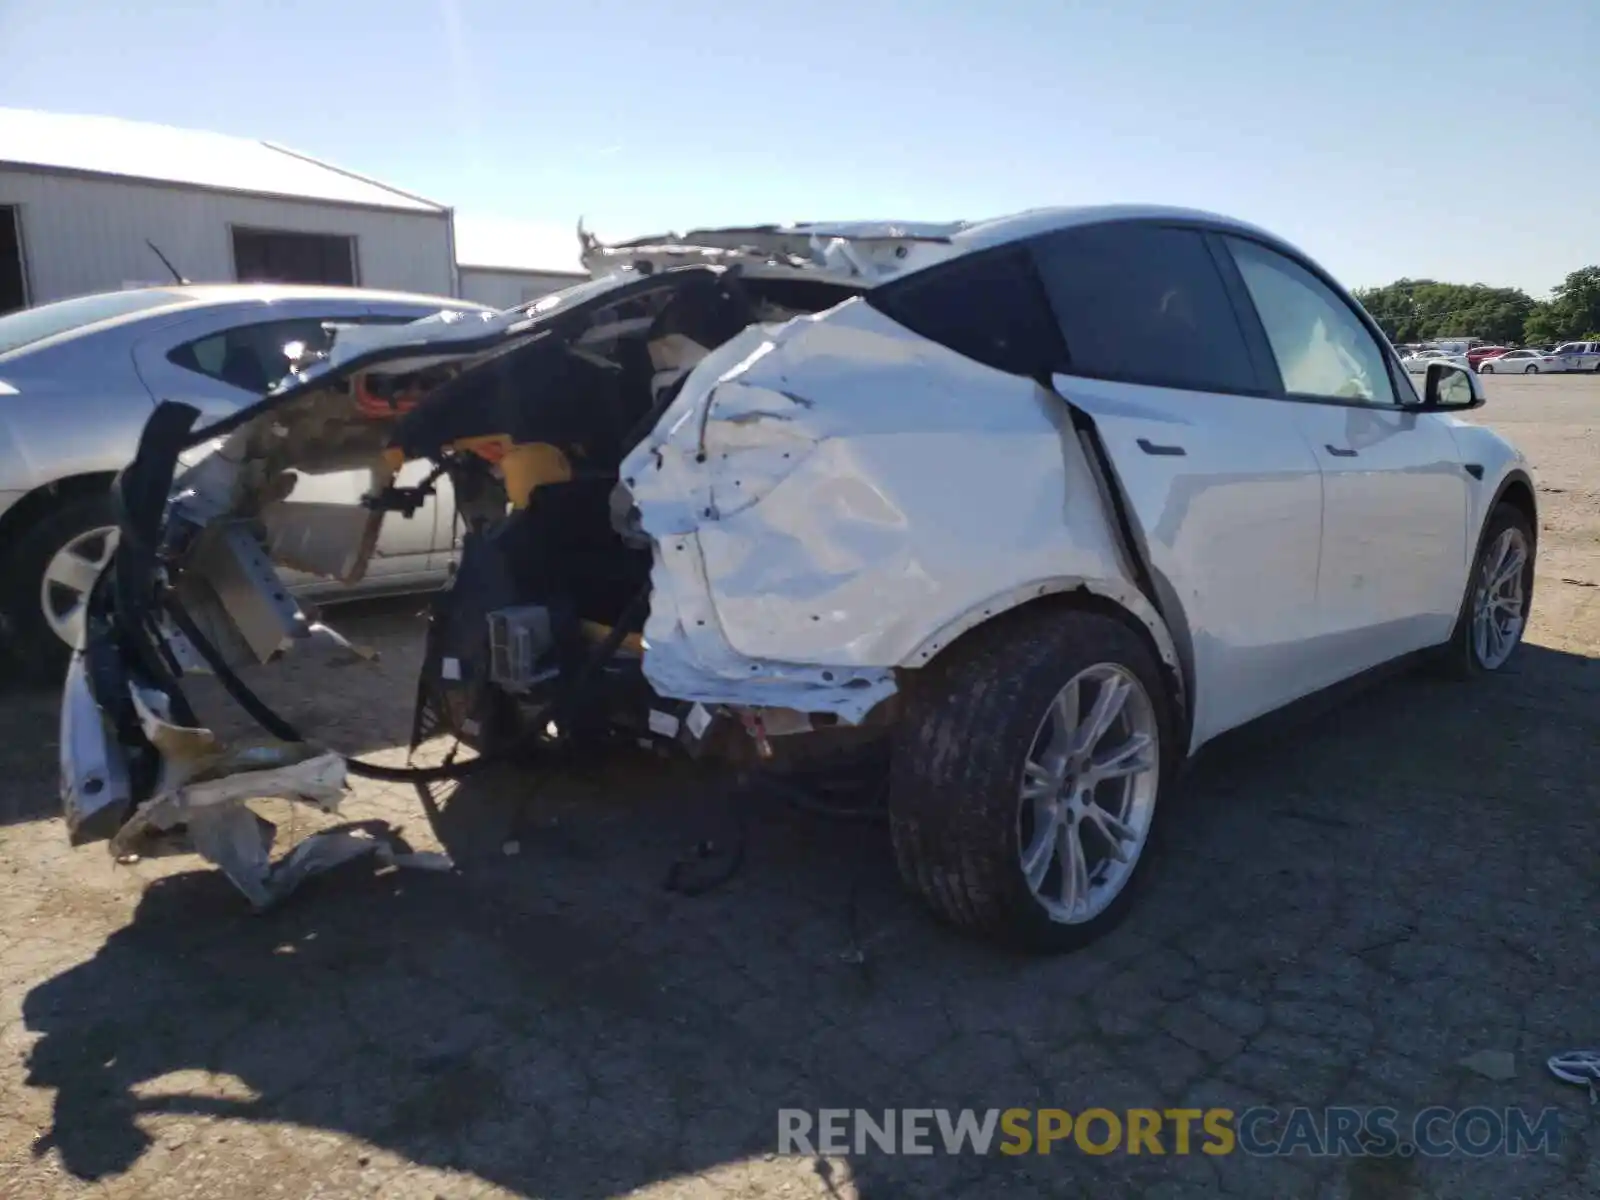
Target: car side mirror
{"points": [[1451, 387]]}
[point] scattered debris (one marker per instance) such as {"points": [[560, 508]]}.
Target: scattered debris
{"points": [[1581, 1067], [1498, 1065], [240, 843], [1587, 583]]}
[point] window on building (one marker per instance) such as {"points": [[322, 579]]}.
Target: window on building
{"points": [[13, 287], [270, 256]]}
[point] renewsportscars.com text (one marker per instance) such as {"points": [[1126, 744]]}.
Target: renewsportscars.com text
{"points": [[1262, 1131]]}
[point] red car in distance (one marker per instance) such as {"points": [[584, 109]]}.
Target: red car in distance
{"points": [[1478, 353]]}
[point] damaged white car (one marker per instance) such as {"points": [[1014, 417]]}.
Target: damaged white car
{"points": [[1044, 503]]}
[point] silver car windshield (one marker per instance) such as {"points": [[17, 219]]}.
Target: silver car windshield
{"points": [[31, 325]]}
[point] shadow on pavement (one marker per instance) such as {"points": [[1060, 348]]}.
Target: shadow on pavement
{"points": [[557, 1024]]}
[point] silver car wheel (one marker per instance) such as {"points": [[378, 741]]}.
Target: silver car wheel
{"points": [[68, 577], [1088, 793], [1500, 601]]}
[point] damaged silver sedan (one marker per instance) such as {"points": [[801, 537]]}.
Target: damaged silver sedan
{"points": [[1042, 505]]}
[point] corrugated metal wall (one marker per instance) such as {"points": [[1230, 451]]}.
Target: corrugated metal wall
{"points": [[499, 288], [88, 235]]}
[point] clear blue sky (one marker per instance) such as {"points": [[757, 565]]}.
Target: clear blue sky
{"points": [[1458, 139]]}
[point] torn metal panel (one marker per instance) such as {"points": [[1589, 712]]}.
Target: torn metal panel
{"points": [[95, 789], [836, 497], [235, 569], [858, 253], [203, 794], [239, 842]]}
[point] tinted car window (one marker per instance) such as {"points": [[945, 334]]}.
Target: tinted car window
{"points": [[1321, 346], [250, 357], [988, 307], [1145, 303]]}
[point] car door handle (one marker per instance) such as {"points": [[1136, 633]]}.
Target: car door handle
{"points": [[1337, 452], [1150, 447]]}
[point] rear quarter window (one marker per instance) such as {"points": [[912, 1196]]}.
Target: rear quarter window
{"points": [[988, 306], [1145, 303]]}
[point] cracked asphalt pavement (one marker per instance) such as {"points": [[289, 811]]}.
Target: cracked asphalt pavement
{"points": [[1347, 905]]}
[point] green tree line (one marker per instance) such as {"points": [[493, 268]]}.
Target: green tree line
{"points": [[1419, 310]]}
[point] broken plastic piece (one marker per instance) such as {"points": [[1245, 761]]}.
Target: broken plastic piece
{"points": [[1581, 1067]]}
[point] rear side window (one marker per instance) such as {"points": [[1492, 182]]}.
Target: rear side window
{"points": [[250, 357], [1146, 304], [988, 307]]}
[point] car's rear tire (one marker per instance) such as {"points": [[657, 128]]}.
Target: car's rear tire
{"points": [[1498, 591], [1530, 369], [992, 790], [45, 580]]}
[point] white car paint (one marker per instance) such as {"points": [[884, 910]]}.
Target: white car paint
{"points": [[1231, 526], [1579, 356], [821, 540], [1394, 548], [1417, 364], [1522, 362], [823, 543]]}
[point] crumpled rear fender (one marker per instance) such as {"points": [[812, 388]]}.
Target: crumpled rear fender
{"points": [[837, 498]]}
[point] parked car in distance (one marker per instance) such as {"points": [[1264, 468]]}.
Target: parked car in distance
{"points": [[1478, 353], [721, 515], [1417, 364], [78, 379], [1522, 362], [1579, 356]]}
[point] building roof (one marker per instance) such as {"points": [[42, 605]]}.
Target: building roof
{"points": [[163, 154], [528, 247]]}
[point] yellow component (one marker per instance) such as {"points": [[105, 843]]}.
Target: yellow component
{"points": [[524, 467], [596, 632], [394, 458], [528, 467]]}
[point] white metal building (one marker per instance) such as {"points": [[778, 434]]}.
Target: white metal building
{"points": [[504, 263], [81, 197]]}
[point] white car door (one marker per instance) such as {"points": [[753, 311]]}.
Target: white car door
{"points": [[1217, 477], [224, 359], [1395, 493]]}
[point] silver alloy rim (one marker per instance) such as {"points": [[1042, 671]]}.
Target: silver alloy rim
{"points": [[1088, 793], [1498, 606], [68, 576]]}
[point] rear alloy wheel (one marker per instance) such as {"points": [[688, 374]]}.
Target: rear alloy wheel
{"points": [[47, 580], [1026, 778], [1494, 614], [1530, 369]]}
